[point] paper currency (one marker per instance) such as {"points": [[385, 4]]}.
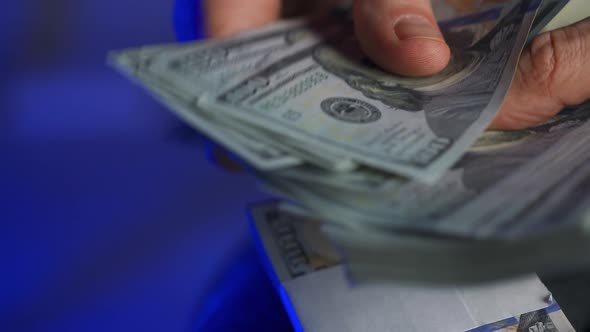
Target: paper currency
{"points": [[326, 97], [262, 156], [550, 319], [206, 64], [185, 72], [398, 169], [533, 175], [517, 202]]}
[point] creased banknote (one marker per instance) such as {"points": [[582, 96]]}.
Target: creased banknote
{"points": [[330, 96], [179, 74], [135, 64], [196, 68], [510, 183]]}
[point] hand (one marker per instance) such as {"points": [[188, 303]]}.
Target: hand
{"points": [[402, 37]]}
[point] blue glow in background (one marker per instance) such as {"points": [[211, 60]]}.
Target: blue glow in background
{"points": [[111, 216]]}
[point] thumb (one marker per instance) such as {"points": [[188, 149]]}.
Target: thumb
{"points": [[228, 17], [401, 36], [552, 73]]}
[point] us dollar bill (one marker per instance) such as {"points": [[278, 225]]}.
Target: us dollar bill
{"points": [[330, 96], [177, 74], [517, 202], [509, 184], [135, 64]]}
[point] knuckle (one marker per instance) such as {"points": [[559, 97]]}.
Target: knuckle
{"points": [[555, 56], [543, 62]]}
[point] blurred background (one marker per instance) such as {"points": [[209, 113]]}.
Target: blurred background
{"points": [[112, 218]]}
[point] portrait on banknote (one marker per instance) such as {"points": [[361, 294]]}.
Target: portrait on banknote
{"points": [[476, 47]]}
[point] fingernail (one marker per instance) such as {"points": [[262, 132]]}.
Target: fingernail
{"points": [[416, 27]]}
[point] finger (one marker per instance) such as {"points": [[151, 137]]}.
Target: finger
{"points": [[401, 36], [553, 72], [228, 17]]}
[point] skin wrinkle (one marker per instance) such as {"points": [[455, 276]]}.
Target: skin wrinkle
{"points": [[526, 102], [552, 69], [575, 52], [552, 73], [543, 60]]}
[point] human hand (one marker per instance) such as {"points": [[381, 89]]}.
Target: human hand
{"points": [[402, 37]]}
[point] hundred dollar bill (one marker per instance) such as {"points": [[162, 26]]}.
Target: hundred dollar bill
{"points": [[509, 184], [183, 72], [206, 66], [251, 150], [330, 96]]}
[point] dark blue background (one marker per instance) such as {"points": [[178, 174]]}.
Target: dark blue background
{"points": [[111, 216]]}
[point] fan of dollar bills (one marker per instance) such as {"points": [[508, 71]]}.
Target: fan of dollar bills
{"points": [[401, 171]]}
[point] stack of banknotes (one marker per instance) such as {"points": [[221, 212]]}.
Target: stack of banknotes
{"points": [[401, 171], [308, 273]]}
